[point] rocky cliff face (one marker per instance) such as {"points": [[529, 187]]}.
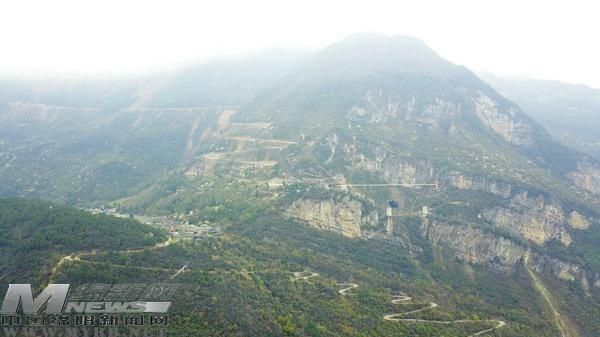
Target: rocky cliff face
{"points": [[401, 171], [586, 177], [579, 221], [534, 219], [377, 107], [463, 182], [473, 245], [503, 122], [344, 216], [394, 169]]}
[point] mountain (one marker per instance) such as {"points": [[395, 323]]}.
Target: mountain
{"points": [[374, 168], [569, 112], [80, 141], [388, 110], [378, 79], [218, 82], [226, 82]]}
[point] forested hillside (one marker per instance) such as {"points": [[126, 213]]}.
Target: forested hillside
{"points": [[35, 234]]}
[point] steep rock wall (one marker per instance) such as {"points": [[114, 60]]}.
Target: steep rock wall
{"points": [[534, 219], [476, 246], [344, 216]]}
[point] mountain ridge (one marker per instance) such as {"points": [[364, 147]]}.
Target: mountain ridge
{"points": [[311, 162]]}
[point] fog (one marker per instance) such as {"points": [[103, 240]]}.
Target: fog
{"points": [[541, 39]]}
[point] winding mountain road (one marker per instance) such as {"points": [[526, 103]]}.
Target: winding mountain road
{"points": [[78, 256], [349, 286], [403, 299], [298, 276], [305, 276]]}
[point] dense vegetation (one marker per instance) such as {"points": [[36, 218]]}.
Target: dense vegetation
{"points": [[35, 234], [241, 284]]}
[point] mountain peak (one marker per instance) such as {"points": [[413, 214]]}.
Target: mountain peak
{"points": [[375, 52], [332, 80], [382, 39]]}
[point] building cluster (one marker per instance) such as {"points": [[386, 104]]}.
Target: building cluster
{"points": [[176, 226], [194, 231]]}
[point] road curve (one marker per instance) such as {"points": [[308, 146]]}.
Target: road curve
{"points": [[348, 287], [79, 255], [299, 276], [402, 299]]}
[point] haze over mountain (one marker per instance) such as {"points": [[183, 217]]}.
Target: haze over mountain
{"points": [[569, 112], [298, 159]]}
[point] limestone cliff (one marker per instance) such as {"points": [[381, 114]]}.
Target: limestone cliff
{"points": [[402, 171], [503, 122], [343, 216], [377, 107], [393, 168], [480, 183], [534, 219], [586, 177], [579, 221], [474, 245]]}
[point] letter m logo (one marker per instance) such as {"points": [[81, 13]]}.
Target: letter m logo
{"points": [[53, 297]]}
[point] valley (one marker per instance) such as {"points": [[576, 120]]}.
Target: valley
{"points": [[312, 200]]}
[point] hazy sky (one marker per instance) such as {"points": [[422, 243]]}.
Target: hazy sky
{"points": [[543, 39]]}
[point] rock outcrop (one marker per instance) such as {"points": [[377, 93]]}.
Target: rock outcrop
{"points": [[476, 246], [534, 219], [579, 221], [586, 177], [401, 171], [394, 169], [503, 122], [377, 107], [463, 182], [343, 216]]}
